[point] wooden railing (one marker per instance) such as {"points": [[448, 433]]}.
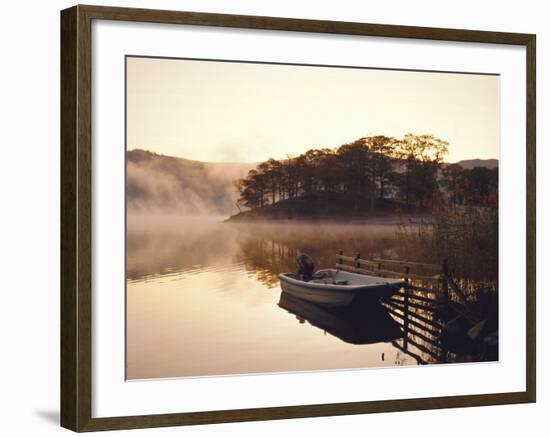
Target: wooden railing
{"points": [[418, 305], [416, 313], [391, 268]]}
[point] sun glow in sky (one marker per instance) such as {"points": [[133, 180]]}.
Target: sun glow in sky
{"points": [[242, 112]]}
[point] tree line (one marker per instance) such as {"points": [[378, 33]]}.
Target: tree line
{"points": [[370, 168]]}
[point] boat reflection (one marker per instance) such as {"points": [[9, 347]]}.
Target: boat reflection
{"points": [[355, 324]]}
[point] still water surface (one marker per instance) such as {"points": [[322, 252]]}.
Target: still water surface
{"points": [[203, 298]]}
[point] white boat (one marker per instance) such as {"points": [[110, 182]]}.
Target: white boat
{"points": [[332, 287]]}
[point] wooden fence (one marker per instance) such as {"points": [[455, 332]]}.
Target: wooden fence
{"points": [[417, 314], [433, 273], [430, 291]]}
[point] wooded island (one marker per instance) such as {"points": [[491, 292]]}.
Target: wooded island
{"points": [[375, 174]]}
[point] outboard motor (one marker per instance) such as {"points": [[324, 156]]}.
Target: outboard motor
{"points": [[306, 267]]}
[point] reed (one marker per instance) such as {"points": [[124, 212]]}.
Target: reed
{"points": [[466, 236]]}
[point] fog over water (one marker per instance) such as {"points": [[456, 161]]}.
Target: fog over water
{"points": [[203, 298]]}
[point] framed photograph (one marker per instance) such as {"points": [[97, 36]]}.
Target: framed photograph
{"points": [[268, 218]]}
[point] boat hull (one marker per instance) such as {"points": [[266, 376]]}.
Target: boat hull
{"points": [[321, 297], [361, 287]]}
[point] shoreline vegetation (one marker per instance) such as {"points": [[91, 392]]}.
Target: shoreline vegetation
{"points": [[331, 206], [372, 177]]}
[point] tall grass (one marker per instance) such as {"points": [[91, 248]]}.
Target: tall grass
{"points": [[466, 236]]}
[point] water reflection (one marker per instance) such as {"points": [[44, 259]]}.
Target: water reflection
{"points": [[203, 298], [168, 245], [353, 324]]}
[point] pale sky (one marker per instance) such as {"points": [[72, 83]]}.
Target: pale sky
{"points": [[241, 112]]}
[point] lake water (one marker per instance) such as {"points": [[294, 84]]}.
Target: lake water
{"points": [[203, 298]]}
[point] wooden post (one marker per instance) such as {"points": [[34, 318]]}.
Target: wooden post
{"points": [[357, 263], [406, 319], [445, 283], [338, 259]]}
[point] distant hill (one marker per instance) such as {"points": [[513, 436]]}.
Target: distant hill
{"points": [[165, 184], [468, 164]]}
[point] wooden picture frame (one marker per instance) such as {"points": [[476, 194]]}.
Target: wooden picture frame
{"points": [[76, 218]]}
